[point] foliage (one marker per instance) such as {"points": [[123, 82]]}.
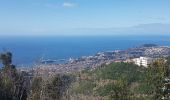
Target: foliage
{"points": [[12, 84], [117, 81], [49, 88], [118, 90], [156, 74], [85, 87], [112, 80], [116, 70]]}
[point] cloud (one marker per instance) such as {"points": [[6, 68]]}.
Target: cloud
{"points": [[68, 5], [158, 18], [61, 5]]}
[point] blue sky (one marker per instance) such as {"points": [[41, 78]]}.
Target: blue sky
{"points": [[75, 17]]}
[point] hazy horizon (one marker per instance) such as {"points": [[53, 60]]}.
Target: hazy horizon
{"points": [[84, 18]]}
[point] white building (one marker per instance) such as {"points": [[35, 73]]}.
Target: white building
{"points": [[142, 61]]}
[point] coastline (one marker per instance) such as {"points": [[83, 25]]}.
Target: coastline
{"points": [[92, 62], [28, 52]]}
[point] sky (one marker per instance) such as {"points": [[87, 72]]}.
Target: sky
{"points": [[84, 17]]}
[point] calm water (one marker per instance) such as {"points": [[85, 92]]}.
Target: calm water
{"points": [[28, 50]]}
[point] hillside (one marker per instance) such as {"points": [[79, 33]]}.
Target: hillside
{"points": [[117, 81]]}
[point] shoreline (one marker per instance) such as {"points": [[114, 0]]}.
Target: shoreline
{"points": [[107, 57]]}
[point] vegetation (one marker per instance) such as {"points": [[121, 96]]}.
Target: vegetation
{"points": [[50, 88], [15, 85], [156, 74], [125, 81], [12, 84], [116, 81]]}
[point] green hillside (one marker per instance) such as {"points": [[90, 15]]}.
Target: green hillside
{"points": [[120, 81]]}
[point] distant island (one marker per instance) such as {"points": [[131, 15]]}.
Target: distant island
{"points": [[149, 45]]}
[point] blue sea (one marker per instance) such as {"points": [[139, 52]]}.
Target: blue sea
{"points": [[28, 50]]}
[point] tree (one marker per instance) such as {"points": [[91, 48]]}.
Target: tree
{"points": [[6, 58], [121, 91], [157, 73], [50, 87], [12, 83]]}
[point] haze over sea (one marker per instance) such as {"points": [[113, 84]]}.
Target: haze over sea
{"points": [[28, 50]]}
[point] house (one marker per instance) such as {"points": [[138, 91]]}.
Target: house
{"points": [[143, 61]]}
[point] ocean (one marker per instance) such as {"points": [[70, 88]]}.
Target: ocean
{"points": [[29, 50]]}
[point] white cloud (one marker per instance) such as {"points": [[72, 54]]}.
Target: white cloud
{"points": [[68, 4], [64, 5]]}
